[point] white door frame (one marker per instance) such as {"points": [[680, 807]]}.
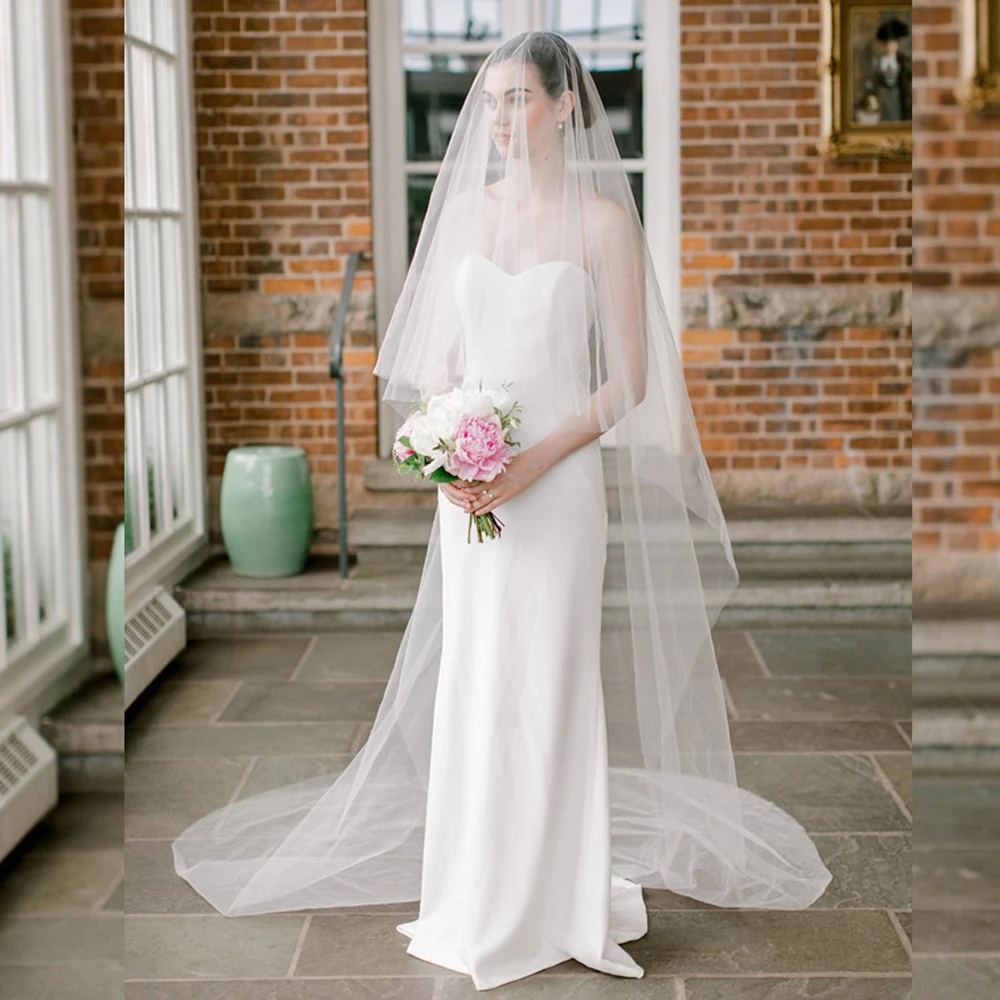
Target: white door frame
{"points": [[36, 677], [164, 560]]}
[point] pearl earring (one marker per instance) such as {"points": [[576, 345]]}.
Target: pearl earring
{"points": [[560, 126]]}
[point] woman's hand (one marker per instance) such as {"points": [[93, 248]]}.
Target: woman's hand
{"points": [[521, 471]]}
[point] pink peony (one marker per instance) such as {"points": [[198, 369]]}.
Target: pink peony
{"points": [[400, 452], [480, 450]]}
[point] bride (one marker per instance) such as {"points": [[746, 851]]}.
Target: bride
{"points": [[553, 735]]}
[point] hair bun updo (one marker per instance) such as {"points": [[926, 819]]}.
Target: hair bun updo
{"points": [[558, 64]]}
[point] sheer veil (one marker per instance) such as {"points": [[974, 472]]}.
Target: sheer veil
{"points": [[532, 179]]}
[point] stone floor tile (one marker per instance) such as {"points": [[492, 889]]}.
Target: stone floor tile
{"points": [[115, 903], [206, 947], [850, 653], [375, 988], [898, 769], [781, 943], [956, 931], [806, 699], [574, 985], [869, 872], [272, 657], [963, 813], [90, 822], [359, 945], [736, 655], [346, 656], [957, 878], [51, 883], [152, 885], [165, 796], [273, 772], [233, 739], [65, 981], [825, 793], [817, 736], [305, 701], [800, 988], [948, 978], [180, 703], [37, 940]]}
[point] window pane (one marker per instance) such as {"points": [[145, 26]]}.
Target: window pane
{"points": [[447, 20], [436, 88], [132, 365], [164, 20], [173, 314], [45, 486], [168, 147], [418, 193], [618, 76], [151, 457], [142, 122], [636, 183], [10, 547], [30, 95], [11, 330], [149, 334], [8, 119], [177, 459], [39, 319], [607, 20], [139, 19]]}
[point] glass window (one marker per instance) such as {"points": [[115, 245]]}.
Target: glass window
{"points": [[426, 21], [598, 20]]}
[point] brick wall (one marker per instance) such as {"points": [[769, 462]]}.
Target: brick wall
{"points": [[281, 97], [795, 267], [96, 33], [956, 282]]}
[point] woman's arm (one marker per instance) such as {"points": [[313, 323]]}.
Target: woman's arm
{"points": [[621, 282]]}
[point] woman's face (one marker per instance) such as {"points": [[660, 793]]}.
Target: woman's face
{"points": [[517, 111]]}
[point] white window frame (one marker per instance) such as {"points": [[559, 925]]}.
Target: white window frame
{"points": [[166, 558], [34, 673], [660, 164]]}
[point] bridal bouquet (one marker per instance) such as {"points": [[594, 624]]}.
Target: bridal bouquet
{"points": [[464, 433]]}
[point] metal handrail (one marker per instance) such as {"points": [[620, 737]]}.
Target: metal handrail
{"points": [[337, 373]]}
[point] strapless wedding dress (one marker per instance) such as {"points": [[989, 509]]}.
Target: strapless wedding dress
{"points": [[516, 872]]}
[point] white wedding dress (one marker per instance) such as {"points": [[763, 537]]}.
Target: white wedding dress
{"points": [[516, 872]]}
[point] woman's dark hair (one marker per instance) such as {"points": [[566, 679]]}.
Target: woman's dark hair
{"points": [[558, 66]]}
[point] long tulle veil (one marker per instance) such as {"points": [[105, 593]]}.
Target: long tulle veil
{"points": [[680, 820]]}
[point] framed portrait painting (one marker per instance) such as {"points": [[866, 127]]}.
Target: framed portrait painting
{"points": [[980, 54], [867, 77]]}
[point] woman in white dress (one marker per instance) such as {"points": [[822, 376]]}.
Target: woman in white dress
{"points": [[553, 735]]}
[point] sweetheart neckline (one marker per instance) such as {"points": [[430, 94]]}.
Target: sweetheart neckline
{"points": [[534, 267]]}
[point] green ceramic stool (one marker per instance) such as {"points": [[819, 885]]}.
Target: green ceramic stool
{"points": [[266, 510]]}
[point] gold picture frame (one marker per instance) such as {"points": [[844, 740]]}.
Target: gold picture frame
{"points": [[866, 80], [980, 55]]}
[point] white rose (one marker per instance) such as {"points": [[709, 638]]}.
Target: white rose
{"points": [[428, 428]]}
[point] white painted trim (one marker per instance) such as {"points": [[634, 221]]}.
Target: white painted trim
{"points": [[160, 562], [45, 671]]}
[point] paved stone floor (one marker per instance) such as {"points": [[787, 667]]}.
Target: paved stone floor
{"points": [[820, 724], [61, 895], [956, 887]]}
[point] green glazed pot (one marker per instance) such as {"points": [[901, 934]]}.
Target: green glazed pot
{"points": [[114, 603], [266, 510]]}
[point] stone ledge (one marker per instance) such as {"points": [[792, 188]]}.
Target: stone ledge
{"points": [[956, 584], [251, 314], [956, 319], [792, 307], [805, 488]]}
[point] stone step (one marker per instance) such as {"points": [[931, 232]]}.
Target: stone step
{"points": [[778, 547], [87, 731], [216, 598]]}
